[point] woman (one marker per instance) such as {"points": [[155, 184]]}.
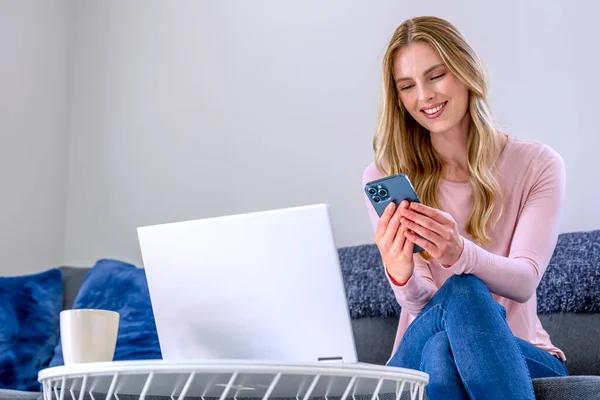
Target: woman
{"points": [[490, 214]]}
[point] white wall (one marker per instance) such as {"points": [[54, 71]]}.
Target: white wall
{"points": [[191, 109], [34, 118]]}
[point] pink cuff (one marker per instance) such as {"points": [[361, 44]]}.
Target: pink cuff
{"points": [[395, 282]]}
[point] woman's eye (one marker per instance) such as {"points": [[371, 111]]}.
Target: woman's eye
{"points": [[437, 76], [406, 87]]}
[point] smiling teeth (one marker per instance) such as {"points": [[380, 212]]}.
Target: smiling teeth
{"points": [[434, 110]]}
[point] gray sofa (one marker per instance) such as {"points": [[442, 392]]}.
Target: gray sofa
{"points": [[568, 306], [568, 297]]}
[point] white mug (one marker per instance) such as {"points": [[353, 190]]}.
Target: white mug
{"points": [[88, 335]]}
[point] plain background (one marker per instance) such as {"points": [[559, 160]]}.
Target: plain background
{"points": [[119, 114], [35, 76]]}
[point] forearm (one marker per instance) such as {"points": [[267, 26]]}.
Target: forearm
{"points": [[515, 277], [413, 294]]}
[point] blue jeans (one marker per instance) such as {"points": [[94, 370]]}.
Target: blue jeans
{"points": [[461, 339]]}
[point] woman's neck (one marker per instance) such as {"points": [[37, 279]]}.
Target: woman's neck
{"points": [[452, 147]]}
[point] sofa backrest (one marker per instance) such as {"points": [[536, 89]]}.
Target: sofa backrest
{"points": [[72, 279], [570, 283]]}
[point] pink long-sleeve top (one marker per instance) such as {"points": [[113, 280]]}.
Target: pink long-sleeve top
{"points": [[532, 178]]}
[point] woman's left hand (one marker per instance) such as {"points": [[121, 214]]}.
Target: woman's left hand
{"points": [[444, 241]]}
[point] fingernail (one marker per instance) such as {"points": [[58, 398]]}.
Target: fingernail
{"points": [[389, 206]]}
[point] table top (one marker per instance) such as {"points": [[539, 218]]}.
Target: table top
{"points": [[148, 366], [230, 378]]}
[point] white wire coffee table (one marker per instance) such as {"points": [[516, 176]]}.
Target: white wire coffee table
{"points": [[156, 379]]}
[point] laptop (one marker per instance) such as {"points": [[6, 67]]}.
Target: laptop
{"points": [[264, 286]]}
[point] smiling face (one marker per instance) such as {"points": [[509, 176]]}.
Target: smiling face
{"points": [[428, 90]]}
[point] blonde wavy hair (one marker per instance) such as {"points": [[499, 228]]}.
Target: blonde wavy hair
{"points": [[402, 145]]}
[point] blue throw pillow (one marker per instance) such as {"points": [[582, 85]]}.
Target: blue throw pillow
{"points": [[29, 327], [121, 287]]}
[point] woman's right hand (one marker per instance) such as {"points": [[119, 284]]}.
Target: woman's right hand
{"points": [[396, 251]]}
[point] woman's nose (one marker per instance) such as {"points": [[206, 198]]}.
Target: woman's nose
{"points": [[425, 93]]}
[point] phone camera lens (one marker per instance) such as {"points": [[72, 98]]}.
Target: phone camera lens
{"points": [[372, 191], [376, 199], [382, 192]]}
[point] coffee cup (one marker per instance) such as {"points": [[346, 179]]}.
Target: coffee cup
{"points": [[88, 335]]}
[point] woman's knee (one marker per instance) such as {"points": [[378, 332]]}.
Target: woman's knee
{"points": [[465, 285], [467, 289]]}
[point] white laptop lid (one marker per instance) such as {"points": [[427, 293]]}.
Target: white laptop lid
{"points": [[261, 286]]}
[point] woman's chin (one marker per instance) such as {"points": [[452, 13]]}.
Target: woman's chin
{"points": [[437, 127], [446, 125]]}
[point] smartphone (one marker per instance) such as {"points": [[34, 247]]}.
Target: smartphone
{"points": [[391, 189]]}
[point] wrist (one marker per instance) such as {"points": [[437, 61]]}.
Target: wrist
{"points": [[461, 248], [399, 280]]}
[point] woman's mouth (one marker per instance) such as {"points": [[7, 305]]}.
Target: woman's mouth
{"points": [[434, 112]]}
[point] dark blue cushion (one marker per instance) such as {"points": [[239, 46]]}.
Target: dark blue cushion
{"points": [[121, 287], [570, 284], [29, 327]]}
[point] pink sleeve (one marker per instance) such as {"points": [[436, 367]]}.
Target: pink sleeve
{"points": [[517, 276], [420, 288]]}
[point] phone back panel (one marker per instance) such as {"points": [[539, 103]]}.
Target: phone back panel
{"points": [[395, 189]]}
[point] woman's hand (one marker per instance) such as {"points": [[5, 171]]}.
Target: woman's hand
{"points": [[444, 241], [396, 251]]}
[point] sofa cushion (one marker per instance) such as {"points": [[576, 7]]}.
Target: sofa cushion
{"points": [[8, 394], [570, 332], [29, 327], [570, 283], [121, 287], [573, 333], [567, 387], [367, 290], [563, 388], [374, 339]]}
